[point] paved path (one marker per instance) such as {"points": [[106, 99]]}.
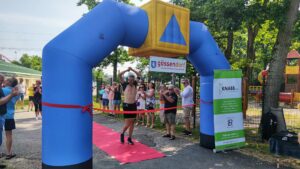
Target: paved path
{"points": [[181, 153]]}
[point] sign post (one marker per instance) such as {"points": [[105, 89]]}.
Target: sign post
{"points": [[228, 116]]}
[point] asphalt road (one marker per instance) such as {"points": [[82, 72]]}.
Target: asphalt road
{"points": [[181, 153]]}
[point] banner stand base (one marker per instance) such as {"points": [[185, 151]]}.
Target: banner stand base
{"points": [[207, 141], [85, 165]]}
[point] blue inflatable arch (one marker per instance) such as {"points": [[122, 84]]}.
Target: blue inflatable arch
{"points": [[68, 60]]}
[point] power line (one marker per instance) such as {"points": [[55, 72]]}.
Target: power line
{"points": [[27, 33], [22, 49], [12, 39]]}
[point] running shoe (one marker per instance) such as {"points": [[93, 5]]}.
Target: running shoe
{"points": [[122, 138], [130, 141]]}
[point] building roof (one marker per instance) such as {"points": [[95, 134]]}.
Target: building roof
{"points": [[293, 54], [16, 70]]}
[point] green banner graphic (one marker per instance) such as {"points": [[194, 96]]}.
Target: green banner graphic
{"points": [[228, 117]]}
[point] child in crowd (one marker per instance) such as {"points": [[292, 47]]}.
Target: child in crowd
{"points": [[141, 104], [150, 104], [117, 97], [162, 89], [111, 99], [105, 98]]}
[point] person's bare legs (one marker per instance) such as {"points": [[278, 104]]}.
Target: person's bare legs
{"points": [[36, 115], [137, 119], [172, 129], [30, 105], [22, 103], [187, 115], [129, 123], [168, 128], [143, 118], [131, 127], [153, 120], [100, 104], [117, 109], [148, 119], [126, 125], [105, 108], [8, 142], [187, 124]]}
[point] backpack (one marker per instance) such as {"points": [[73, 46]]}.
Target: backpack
{"points": [[269, 125]]}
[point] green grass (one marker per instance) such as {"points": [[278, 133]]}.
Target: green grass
{"points": [[18, 105]]}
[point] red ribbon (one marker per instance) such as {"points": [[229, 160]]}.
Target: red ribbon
{"points": [[142, 111], [206, 102], [86, 108]]}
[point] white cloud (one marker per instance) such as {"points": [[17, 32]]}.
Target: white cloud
{"points": [[19, 19], [142, 2]]}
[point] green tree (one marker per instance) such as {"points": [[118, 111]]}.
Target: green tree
{"points": [[281, 49], [296, 35], [32, 62], [120, 54], [98, 74], [222, 17], [227, 17]]}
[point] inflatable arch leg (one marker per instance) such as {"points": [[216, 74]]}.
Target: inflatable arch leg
{"points": [[206, 56], [67, 78]]}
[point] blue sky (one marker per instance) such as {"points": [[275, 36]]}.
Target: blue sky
{"points": [[27, 25]]}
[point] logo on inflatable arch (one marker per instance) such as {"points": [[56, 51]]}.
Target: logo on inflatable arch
{"points": [[153, 64], [172, 33]]}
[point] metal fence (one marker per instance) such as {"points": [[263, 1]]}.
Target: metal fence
{"points": [[254, 112]]}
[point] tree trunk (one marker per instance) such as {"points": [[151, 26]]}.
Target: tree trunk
{"points": [[228, 50], [277, 65], [252, 33], [115, 66]]}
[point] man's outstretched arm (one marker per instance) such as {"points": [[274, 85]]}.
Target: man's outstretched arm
{"points": [[7, 98], [138, 74], [121, 75]]}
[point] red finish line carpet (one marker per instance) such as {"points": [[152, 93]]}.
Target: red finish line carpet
{"points": [[108, 141]]}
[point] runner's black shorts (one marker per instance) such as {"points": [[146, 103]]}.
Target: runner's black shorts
{"points": [[129, 107], [9, 124]]}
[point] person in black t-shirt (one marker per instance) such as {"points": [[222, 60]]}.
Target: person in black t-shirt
{"points": [[37, 99], [171, 99], [117, 97]]}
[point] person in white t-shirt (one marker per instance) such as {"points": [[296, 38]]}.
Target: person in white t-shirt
{"points": [[22, 90], [141, 104], [105, 100], [187, 103]]}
